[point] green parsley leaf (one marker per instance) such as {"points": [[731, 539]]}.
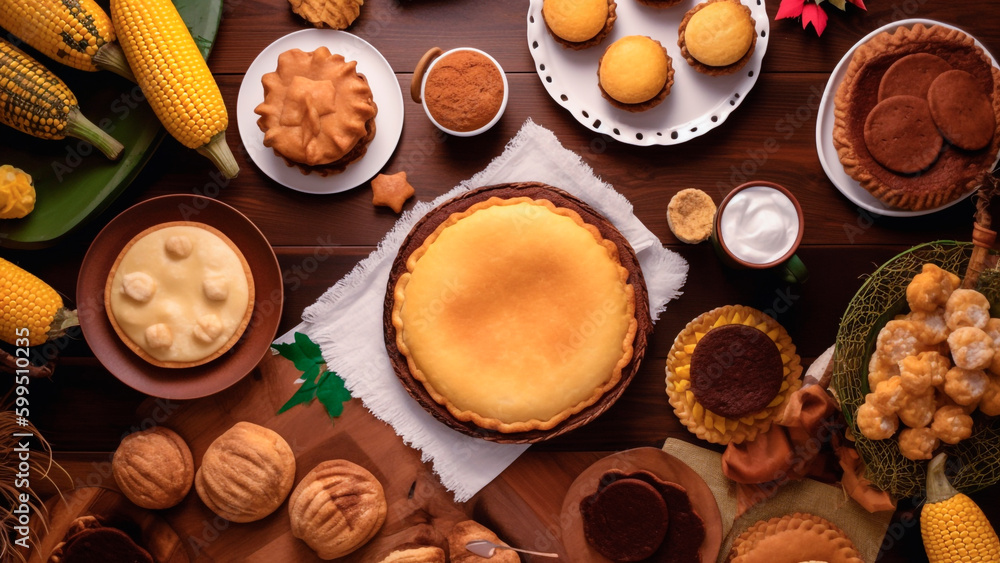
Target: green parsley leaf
{"points": [[317, 381]]}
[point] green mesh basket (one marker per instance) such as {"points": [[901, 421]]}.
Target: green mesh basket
{"points": [[882, 297]]}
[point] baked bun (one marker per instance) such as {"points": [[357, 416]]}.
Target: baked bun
{"points": [[423, 554], [468, 530], [337, 508], [635, 73], [246, 473], [153, 468]]}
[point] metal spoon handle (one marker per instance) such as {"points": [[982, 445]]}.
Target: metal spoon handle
{"points": [[476, 546]]}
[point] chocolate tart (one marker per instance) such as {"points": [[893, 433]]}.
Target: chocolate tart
{"points": [[747, 415], [220, 348], [415, 248], [955, 172]]}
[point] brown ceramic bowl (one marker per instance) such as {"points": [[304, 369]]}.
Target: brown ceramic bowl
{"points": [[207, 378], [430, 222]]}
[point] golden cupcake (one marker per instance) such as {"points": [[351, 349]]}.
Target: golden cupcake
{"points": [[246, 473], [579, 24], [796, 537], [717, 37], [725, 397], [635, 73], [337, 508], [153, 468], [318, 111], [180, 294]]}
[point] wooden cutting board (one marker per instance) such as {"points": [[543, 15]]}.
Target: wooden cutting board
{"points": [[523, 505]]}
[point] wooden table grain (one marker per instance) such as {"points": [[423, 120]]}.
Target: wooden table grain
{"points": [[84, 411]]}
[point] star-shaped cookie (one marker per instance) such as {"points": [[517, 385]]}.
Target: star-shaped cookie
{"points": [[391, 190]]}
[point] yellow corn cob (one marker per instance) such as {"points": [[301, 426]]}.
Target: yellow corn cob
{"points": [[77, 33], [36, 102], [28, 303], [174, 77], [953, 528]]}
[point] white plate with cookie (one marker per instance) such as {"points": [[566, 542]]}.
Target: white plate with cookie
{"points": [[696, 104], [385, 93], [827, 152]]}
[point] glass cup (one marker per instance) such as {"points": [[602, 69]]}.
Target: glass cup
{"points": [[759, 226]]}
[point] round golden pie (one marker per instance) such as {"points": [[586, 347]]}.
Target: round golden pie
{"points": [[795, 537], [954, 172], [514, 308], [746, 375], [180, 294]]}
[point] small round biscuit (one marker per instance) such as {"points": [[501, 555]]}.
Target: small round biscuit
{"points": [[153, 468], [911, 75], [690, 215], [962, 110], [900, 134]]}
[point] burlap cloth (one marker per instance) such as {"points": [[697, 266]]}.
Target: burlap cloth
{"points": [[865, 529]]}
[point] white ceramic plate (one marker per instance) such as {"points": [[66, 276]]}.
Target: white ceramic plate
{"points": [[848, 186], [697, 103], [385, 91]]}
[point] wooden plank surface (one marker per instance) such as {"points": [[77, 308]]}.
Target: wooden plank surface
{"points": [[84, 410]]}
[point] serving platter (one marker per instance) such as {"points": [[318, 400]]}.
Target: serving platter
{"points": [[697, 103], [827, 152], [75, 182], [385, 91], [196, 381], [661, 464]]}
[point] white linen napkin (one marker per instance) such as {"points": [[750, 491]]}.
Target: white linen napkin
{"points": [[346, 321]]}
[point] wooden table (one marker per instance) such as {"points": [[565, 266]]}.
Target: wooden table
{"points": [[84, 411]]}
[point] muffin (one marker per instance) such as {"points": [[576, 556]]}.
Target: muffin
{"points": [[153, 468], [337, 508], [246, 473], [717, 37], [635, 73], [318, 111], [578, 24]]}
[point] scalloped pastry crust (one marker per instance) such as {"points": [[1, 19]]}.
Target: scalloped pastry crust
{"points": [[700, 421], [796, 537], [955, 172], [515, 314]]}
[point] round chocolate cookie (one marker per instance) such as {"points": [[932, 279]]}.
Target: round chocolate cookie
{"points": [[736, 370], [625, 520], [911, 76], [962, 110], [900, 134]]}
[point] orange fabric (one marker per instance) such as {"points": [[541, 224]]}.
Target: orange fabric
{"points": [[789, 450], [857, 486]]}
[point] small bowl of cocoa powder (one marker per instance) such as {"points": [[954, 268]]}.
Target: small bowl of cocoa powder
{"points": [[464, 91]]}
